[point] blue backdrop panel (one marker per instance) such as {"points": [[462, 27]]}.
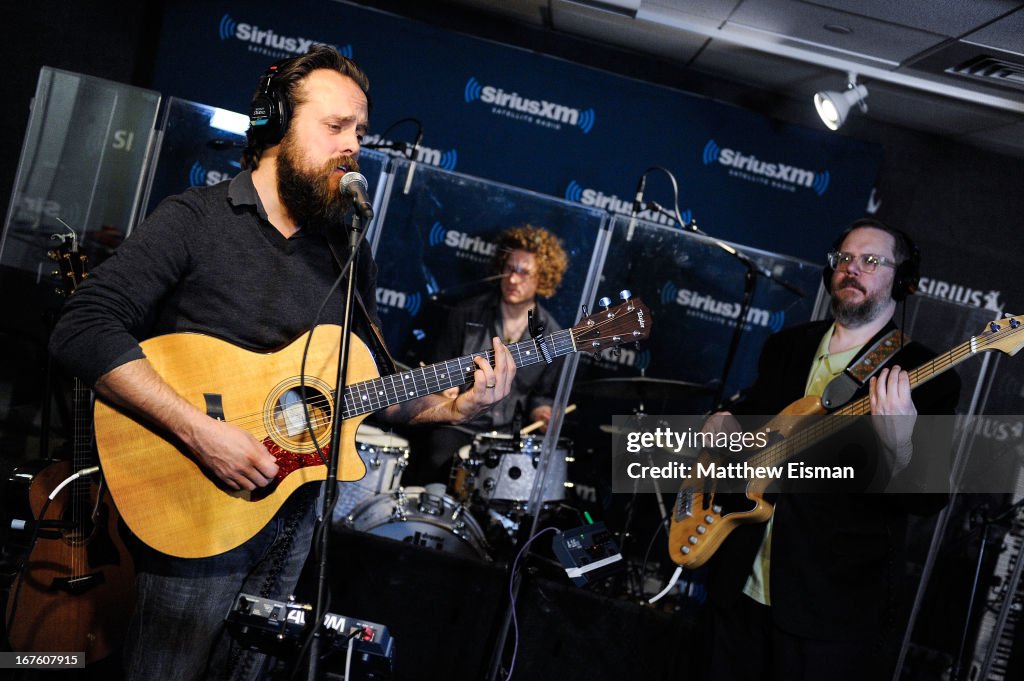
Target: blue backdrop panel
{"points": [[540, 123], [694, 289], [436, 242]]}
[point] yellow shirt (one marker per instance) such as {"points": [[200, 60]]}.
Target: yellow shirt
{"points": [[825, 367]]}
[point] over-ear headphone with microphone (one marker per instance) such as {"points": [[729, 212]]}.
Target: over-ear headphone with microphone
{"points": [[908, 272], [269, 112]]}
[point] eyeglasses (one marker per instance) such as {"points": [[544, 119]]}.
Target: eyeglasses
{"points": [[866, 262], [509, 269]]}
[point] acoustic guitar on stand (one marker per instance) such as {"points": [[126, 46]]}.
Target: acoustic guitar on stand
{"points": [[175, 506], [702, 519], [77, 586]]}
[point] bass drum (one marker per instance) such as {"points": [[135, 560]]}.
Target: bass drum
{"points": [[428, 518]]}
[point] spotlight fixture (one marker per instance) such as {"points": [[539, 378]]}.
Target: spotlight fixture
{"points": [[833, 106]]}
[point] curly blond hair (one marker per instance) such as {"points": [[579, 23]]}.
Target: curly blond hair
{"points": [[552, 260]]}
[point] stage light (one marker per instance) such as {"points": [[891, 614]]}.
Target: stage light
{"points": [[833, 106]]}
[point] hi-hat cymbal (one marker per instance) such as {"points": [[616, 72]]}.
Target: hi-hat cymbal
{"points": [[640, 388]]}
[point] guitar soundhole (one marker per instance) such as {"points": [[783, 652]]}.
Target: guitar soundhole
{"points": [[291, 405]]}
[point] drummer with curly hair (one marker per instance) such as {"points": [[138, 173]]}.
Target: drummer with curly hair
{"points": [[530, 262]]}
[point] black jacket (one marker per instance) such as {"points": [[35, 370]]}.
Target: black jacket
{"points": [[836, 559]]}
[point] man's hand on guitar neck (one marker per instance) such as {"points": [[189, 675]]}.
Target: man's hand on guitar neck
{"points": [[230, 453], [490, 386], [889, 395]]}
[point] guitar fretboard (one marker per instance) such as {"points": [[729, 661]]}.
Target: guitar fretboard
{"points": [[378, 393]]}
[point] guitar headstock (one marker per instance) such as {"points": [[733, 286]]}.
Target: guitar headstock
{"points": [[1005, 335], [71, 263], [626, 322]]}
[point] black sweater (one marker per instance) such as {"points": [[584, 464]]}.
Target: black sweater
{"points": [[207, 261]]}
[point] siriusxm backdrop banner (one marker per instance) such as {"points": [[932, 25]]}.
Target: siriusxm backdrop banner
{"points": [[539, 123], [694, 290]]}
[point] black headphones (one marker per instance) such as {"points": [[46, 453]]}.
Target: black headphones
{"points": [[269, 111], [908, 272]]}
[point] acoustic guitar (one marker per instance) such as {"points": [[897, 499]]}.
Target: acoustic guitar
{"points": [[76, 588], [702, 519], [172, 504]]}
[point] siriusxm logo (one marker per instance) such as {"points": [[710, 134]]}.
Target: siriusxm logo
{"points": [[198, 176], [434, 157], [469, 245], [719, 310], [778, 175], [960, 294], [537, 111], [264, 40], [399, 300], [613, 204]]}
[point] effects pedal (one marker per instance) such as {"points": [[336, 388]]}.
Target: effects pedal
{"points": [[588, 553]]}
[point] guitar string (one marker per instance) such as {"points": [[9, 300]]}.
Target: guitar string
{"points": [[824, 427], [252, 420]]}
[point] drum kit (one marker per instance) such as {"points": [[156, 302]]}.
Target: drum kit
{"points": [[491, 483], [492, 480]]}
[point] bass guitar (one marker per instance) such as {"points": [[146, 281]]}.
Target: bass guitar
{"points": [[701, 519], [172, 504]]}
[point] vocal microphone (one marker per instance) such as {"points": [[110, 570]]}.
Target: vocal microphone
{"points": [[354, 184], [638, 202]]}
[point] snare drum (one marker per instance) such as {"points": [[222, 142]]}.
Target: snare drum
{"points": [[385, 456], [415, 516], [495, 469]]}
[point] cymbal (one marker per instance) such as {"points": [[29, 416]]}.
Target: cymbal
{"points": [[640, 388]]}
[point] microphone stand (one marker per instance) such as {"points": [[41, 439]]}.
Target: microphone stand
{"points": [[749, 285], [331, 483]]}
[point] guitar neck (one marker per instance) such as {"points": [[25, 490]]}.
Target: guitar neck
{"points": [[825, 428], [378, 393]]}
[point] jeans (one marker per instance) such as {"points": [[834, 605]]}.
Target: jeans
{"points": [[178, 631]]}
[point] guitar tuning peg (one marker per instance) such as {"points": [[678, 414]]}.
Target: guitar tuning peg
{"points": [[584, 307], [605, 302], [625, 294]]}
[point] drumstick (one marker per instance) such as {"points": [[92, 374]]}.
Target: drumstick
{"points": [[537, 424]]}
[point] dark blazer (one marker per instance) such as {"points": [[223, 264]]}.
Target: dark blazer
{"points": [[836, 559]]}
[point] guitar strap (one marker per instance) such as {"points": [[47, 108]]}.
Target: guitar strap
{"points": [[385, 362], [843, 387]]}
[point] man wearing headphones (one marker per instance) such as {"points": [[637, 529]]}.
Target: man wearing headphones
{"points": [[249, 261], [813, 593]]}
